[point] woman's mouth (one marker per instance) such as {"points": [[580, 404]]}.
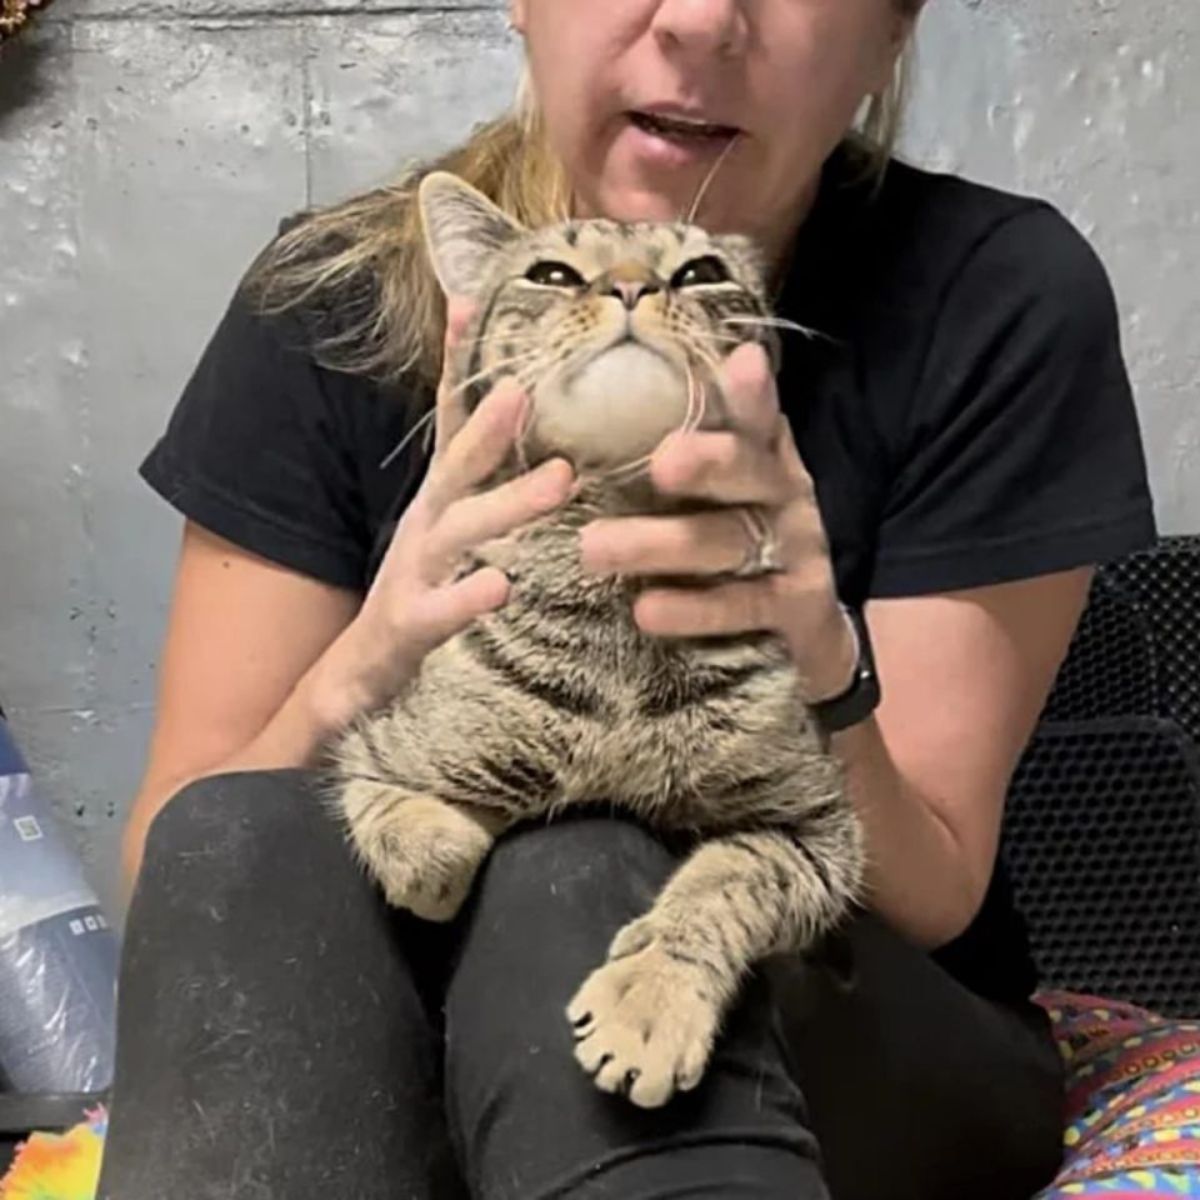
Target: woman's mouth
{"points": [[675, 142], [686, 130]]}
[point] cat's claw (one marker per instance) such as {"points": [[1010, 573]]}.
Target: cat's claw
{"points": [[644, 1026]]}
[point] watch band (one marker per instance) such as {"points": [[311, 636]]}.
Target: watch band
{"points": [[862, 697]]}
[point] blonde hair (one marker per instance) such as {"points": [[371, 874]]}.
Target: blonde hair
{"points": [[364, 258]]}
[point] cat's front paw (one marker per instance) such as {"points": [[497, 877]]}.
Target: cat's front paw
{"points": [[645, 1024], [426, 857], [433, 891]]}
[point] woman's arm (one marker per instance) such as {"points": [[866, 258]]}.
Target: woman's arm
{"points": [[965, 677], [242, 635], [263, 664]]}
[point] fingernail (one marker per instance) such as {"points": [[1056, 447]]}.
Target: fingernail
{"points": [[509, 403], [550, 480], [458, 313]]}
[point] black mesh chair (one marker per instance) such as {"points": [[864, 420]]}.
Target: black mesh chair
{"points": [[1103, 831]]}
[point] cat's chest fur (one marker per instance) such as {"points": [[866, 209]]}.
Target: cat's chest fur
{"points": [[565, 616], [691, 733]]}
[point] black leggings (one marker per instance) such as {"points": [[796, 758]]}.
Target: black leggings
{"points": [[285, 1036]]}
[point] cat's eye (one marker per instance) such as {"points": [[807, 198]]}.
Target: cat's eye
{"points": [[555, 274], [701, 271]]}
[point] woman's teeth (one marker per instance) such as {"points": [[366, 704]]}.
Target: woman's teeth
{"points": [[679, 127]]}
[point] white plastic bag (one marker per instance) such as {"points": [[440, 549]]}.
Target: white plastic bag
{"points": [[58, 955]]}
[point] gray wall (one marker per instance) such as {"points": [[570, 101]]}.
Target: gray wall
{"points": [[147, 150]]}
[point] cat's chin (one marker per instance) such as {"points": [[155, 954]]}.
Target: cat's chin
{"points": [[613, 411]]}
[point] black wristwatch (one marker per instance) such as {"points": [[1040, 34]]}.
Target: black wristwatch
{"points": [[862, 697]]}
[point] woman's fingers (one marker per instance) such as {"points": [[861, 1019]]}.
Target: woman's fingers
{"points": [[742, 606], [479, 448], [723, 468], [442, 612], [704, 543], [475, 519], [751, 398], [745, 463], [451, 407], [714, 542]]}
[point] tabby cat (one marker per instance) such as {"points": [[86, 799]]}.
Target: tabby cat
{"points": [[617, 332]]}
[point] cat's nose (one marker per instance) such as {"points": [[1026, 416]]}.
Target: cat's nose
{"points": [[631, 291]]}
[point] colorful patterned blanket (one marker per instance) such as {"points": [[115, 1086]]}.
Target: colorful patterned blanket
{"points": [[1133, 1103]]}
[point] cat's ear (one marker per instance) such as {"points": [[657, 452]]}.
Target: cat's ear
{"points": [[463, 231]]}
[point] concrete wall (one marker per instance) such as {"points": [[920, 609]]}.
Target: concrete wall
{"points": [[147, 150]]}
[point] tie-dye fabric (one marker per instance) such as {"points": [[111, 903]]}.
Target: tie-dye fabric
{"points": [[58, 1167], [1133, 1101]]}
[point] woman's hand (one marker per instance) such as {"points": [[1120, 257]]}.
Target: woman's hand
{"points": [[415, 602], [753, 476]]}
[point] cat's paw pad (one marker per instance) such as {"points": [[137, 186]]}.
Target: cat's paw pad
{"points": [[426, 860], [645, 1025]]}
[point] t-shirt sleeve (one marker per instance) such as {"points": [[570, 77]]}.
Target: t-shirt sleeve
{"points": [[1022, 454], [258, 450]]}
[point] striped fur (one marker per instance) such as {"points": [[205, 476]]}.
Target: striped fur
{"points": [[559, 700]]}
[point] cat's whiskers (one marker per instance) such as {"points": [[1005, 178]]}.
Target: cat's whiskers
{"points": [[765, 322], [508, 338], [702, 191], [705, 339], [425, 423], [697, 340], [517, 360]]}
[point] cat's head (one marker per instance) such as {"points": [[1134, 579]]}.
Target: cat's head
{"points": [[602, 323]]}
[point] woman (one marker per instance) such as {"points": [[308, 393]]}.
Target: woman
{"points": [[953, 456]]}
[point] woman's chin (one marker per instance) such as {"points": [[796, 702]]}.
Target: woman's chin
{"points": [[631, 195], [633, 186]]}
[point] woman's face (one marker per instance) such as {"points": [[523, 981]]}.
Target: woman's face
{"points": [[787, 75]]}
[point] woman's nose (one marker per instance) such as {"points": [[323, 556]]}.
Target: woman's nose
{"points": [[708, 27]]}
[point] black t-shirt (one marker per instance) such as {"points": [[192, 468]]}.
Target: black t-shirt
{"points": [[964, 411]]}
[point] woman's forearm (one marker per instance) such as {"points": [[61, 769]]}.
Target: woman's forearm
{"points": [[321, 704], [291, 738], [918, 876]]}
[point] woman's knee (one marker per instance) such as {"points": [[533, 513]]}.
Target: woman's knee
{"points": [[580, 862], [240, 822], [546, 908]]}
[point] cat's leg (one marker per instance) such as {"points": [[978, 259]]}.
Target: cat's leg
{"points": [[645, 1022], [424, 851], [426, 787]]}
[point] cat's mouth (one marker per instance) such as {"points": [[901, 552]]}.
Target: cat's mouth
{"points": [[633, 336]]}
